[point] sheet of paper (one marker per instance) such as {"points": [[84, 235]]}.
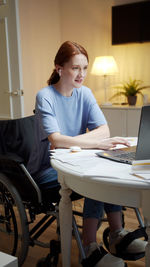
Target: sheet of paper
{"points": [[144, 175], [87, 163], [82, 158]]}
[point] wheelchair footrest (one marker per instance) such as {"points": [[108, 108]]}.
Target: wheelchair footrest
{"points": [[95, 257], [121, 247], [130, 256]]}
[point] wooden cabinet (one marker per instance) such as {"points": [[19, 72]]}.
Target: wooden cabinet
{"points": [[122, 121]]}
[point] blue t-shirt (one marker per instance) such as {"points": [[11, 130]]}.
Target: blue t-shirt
{"points": [[70, 116]]}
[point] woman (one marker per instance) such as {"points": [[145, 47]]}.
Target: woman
{"points": [[65, 109]]}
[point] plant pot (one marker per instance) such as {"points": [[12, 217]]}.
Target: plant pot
{"points": [[132, 100]]}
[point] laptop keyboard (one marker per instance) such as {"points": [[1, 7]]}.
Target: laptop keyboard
{"points": [[127, 155], [123, 155]]}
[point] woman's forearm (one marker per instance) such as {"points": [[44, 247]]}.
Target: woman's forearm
{"points": [[100, 132], [88, 140]]}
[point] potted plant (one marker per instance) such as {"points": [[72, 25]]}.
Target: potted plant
{"points": [[130, 90]]}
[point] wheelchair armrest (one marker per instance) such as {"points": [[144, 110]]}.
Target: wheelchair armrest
{"points": [[13, 157]]}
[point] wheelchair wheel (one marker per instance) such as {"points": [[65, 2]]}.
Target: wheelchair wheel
{"points": [[14, 230]]}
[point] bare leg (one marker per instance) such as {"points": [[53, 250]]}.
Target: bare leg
{"points": [[90, 226], [115, 221], [89, 231]]}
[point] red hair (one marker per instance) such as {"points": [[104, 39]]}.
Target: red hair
{"points": [[67, 50]]}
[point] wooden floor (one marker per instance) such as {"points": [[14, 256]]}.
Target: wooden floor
{"points": [[36, 252]]}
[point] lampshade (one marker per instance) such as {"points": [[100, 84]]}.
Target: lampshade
{"points": [[105, 65]]}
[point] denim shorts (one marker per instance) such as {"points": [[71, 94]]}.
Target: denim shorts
{"points": [[95, 209], [47, 179]]}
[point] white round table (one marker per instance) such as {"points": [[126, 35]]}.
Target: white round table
{"points": [[122, 191]]}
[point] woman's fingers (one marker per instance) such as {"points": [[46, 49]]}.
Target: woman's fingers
{"points": [[112, 142], [120, 140]]}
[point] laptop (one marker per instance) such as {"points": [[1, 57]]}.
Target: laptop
{"points": [[139, 152]]}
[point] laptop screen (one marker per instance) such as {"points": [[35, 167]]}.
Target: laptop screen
{"points": [[143, 146]]}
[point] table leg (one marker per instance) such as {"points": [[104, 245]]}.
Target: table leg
{"points": [[65, 217], [147, 251]]}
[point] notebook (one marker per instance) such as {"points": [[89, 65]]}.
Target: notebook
{"points": [[139, 152]]}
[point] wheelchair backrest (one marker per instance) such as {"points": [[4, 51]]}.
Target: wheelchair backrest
{"points": [[17, 136], [16, 144]]}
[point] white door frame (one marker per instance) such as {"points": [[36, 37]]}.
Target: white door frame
{"points": [[9, 15]]}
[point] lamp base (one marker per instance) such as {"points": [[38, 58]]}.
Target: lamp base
{"points": [[107, 104]]}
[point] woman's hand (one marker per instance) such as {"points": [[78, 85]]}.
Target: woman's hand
{"points": [[112, 142]]}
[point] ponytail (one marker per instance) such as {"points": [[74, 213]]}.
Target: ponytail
{"points": [[54, 78]]}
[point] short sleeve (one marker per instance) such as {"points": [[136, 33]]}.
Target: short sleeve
{"points": [[45, 110], [95, 115]]}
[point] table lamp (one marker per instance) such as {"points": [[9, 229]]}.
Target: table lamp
{"points": [[104, 66]]}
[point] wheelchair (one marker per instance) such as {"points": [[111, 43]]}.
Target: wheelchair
{"points": [[21, 200]]}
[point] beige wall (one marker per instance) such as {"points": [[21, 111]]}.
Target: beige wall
{"points": [[47, 23], [40, 39]]}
